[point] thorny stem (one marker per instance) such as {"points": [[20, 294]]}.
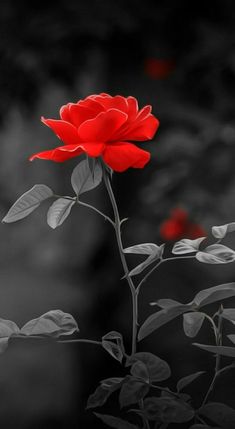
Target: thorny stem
{"points": [[123, 259], [218, 339]]}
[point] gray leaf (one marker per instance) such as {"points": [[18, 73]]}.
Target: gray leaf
{"points": [[115, 422], [192, 323], [160, 318], [83, 179], [158, 369], [222, 230], [187, 246], [216, 254], [213, 294], [53, 323], [219, 350], [27, 203], [59, 211], [183, 382]]}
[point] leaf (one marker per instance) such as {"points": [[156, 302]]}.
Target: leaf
{"points": [[168, 410], [7, 329], [229, 314], [232, 338], [140, 370], [185, 381], [59, 211], [53, 323], [213, 294], [172, 310], [143, 249], [222, 230], [98, 398], [113, 349], [216, 254], [83, 179], [219, 413], [115, 422], [132, 391], [112, 383], [156, 320], [112, 335], [200, 426], [192, 323], [27, 203], [187, 246], [166, 303], [219, 350], [4, 344], [156, 254], [158, 369]]}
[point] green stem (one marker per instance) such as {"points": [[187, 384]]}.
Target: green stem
{"points": [[117, 226]]}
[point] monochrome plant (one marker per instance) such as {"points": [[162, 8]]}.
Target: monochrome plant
{"points": [[103, 128]]}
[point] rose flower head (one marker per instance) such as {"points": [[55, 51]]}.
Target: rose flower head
{"points": [[103, 126], [179, 226]]}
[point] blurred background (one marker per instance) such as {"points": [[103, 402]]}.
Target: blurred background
{"points": [[178, 57]]}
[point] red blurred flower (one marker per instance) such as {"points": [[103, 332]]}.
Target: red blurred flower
{"points": [[103, 126], [157, 68], [179, 226]]}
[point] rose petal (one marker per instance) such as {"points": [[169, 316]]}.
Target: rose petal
{"points": [[143, 130], [57, 155], [143, 113], [93, 149], [118, 102], [64, 112], [133, 107], [120, 156], [102, 94], [64, 130], [91, 104], [80, 114], [103, 127], [63, 153]]}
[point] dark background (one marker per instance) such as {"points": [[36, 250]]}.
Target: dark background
{"points": [[177, 56]]}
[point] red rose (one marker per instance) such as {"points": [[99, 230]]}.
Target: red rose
{"points": [[103, 126], [179, 226]]}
